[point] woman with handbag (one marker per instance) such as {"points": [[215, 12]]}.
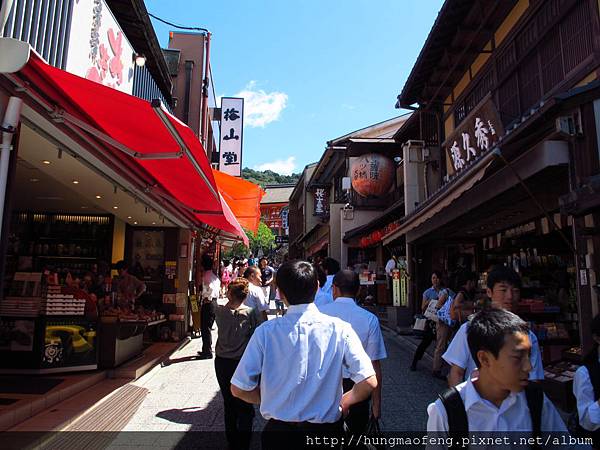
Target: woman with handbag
{"points": [[428, 306]]}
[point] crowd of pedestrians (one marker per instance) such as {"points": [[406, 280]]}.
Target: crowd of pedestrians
{"points": [[317, 369]]}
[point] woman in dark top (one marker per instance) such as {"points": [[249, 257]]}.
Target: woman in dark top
{"points": [[236, 323]]}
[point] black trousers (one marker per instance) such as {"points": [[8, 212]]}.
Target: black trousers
{"points": [[207, 319], [239, 415], [358, 417], [428, 338], [278, 435]]}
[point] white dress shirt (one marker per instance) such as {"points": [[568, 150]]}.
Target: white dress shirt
{"points": [[458, 353], [298, 361], [211, 285], [256, 298], [364, 323], [391, 265], [587, 407], [483, 416], [324, 294]]}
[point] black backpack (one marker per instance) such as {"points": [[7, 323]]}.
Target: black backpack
{"points": [[458, 424]]}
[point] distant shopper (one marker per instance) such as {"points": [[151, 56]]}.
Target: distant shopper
{"points": [[366, 325], [322, 297], [129, 288], [330, 266], [503, 288], [586, 388], [292, 366], [211, 286], [465, 295], [236, 323], [256, 297], [431, 294], [502, 399], [390, 266], [267, 274]]}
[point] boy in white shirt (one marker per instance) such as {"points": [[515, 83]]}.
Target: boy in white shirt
{"points": [[503, 289], [501, 399]]}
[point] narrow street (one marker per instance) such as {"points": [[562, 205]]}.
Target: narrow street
{"points": [[182, 397]]}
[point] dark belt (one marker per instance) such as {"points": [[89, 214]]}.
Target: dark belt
{"points": [[302, 425]]}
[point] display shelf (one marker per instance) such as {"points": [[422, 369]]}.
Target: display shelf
{"points": [[156, 322], [87, 258]]}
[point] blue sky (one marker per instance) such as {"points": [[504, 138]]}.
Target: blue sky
{"points": [[310, 70]]}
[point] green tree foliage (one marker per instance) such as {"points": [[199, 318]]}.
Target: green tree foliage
{"points": [[264, 239], [266, 177]]}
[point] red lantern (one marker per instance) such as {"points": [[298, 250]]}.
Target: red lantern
{"points": [[372, 175]]}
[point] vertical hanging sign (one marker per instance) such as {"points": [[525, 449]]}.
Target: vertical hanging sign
{"points": [[232, 129]]}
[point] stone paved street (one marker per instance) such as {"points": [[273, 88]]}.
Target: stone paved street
{"points": [[185, 395]]}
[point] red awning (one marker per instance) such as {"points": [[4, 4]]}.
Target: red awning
{"points": [[149, 140], [243, 197]]}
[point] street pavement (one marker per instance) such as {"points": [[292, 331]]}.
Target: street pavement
{"points": [[184, 395]]}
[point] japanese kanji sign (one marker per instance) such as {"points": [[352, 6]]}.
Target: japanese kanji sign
{"points": [[321, 202], [232, 129], [476, 134]]}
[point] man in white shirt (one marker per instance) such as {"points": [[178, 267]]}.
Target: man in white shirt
{"points": [[366, 325], [503, 290], [211, 286], [325, 292], [256, 297], [501, 399], [322, 297], [292, 366], [389, 268]]}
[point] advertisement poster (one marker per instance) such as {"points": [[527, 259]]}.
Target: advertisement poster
{"points": [[16, 335], [69, 343]]}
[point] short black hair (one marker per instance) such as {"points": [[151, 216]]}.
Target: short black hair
{"points": [[207, 262], [249, 270], [347, 282], [263, 259], [488, 329], [503, 274], [297, 280], [121, 265], [331, 266], [321, 276]]}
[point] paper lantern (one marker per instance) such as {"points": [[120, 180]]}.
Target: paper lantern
{"points": [[372, 175]]}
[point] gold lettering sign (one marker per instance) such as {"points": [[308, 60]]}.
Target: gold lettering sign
{"points": [[474, 136]]}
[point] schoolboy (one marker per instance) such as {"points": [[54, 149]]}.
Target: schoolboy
{"points": [[292, 366], [503, 288], [502, 398]]}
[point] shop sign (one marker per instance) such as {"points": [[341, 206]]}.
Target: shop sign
{"points": [[232, 130], [321, 202], [98, 49], [282, 240], [477, 134], [372, 175], [284, 217], [377, 235], [520, 230], [396, 287], [403, 289]]}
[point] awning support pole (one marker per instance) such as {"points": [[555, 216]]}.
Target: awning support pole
{"points": [[498, 154], [10, 124], [158, 109]]}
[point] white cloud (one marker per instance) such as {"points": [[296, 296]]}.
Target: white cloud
{"points": [[261, 108], [280, 166]]}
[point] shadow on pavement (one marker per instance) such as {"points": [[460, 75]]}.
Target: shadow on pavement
{"points": [[170, 361]]}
